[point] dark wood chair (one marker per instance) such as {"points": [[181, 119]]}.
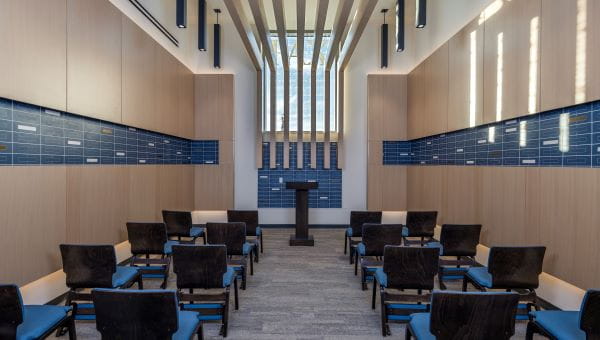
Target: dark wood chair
{"points": [[233, 236], [31, 321], [143, 314], [201, 268], [459, 241], [93, 266], [179, 224], [583, 324], [151, 250], [250, 217], [513, 269], [357, 219], [419, 224], [457, 315], [404, 268], [369, 252]]}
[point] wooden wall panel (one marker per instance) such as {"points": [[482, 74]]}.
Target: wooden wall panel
{"points": [[570, 52], [213, 187], [139, 78], [426, 189], [94, 59], [514, 22], [98, 204], [186, 102], [33, 62], [167, 91], [143, 193], [416, 102], [386, 120], [463, 195], [436, 92], [465, 106], [32, 210]]}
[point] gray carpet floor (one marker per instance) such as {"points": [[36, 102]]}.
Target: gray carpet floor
{"points": [[300, 293]]}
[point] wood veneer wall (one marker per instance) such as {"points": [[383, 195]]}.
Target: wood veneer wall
{"points": [[87, 58], [554, 207], [43, 206], [386, 185], [214, 107]]}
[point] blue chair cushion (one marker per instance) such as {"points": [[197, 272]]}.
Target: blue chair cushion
{"points": [[481, 276], [169, 246], [123, 275], [562, 325], [188, 321], [37, 320], [361, 249], [228, 277], [349, 232], [247, 248], [381, 277], [419, 324], [258, 231], [436, 245], [196, 231], [405, 231]]}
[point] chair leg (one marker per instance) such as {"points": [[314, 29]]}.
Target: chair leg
{"points": [[531, 329], [71, 328], [345, 242], [355, 263], [364, 278], [235, 294], [408, 333], [200, 332], [374, 297], [204, 237], [465, 283], [251, 263], [226, 313], [256, 252], [441, 278], [262, 247], [140, 282], [244, 278], [63, 330], [384, 326]]}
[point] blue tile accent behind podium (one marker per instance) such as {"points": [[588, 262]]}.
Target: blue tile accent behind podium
{"points": [[538, 140], [271, 182], [33, 135]]}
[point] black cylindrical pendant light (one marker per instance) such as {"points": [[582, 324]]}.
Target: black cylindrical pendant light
{"points": [[181, 13], [384, 41], [217, 40], [202, 25], [399, 25], [421, 13]]}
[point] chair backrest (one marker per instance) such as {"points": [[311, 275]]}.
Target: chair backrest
{"points": [[231, 234], [410, 267], [147, 238], [88, 266], [358, 218], [516, 267], [11, 311], [135, 314], [457, 315], [421, 223], [589, 315], [178, 223], [460, 239], [376, 236], [250, 217], [199, 266]]}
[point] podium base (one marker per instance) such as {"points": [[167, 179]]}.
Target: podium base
{"points": [[310, 241]]}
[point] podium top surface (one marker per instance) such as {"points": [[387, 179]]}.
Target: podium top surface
{"points": [[301, 185]]}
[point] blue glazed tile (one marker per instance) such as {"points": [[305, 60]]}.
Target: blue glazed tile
{"points": [[52, 159], [5, 159], [5, 136], [5, 114], [29, 149], [21, 159]]}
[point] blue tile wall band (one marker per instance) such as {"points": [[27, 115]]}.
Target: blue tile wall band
{"points": [[33, 135], [271, 182], [568, 137]]}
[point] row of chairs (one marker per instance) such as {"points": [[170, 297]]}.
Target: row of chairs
{"points": [[97, 284], [388, 257]]}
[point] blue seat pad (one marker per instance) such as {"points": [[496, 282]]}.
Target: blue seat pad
{"points": [[258, 231], [419, 324], [123, 275], [349, 232], [169, 246], [405, 232], [37, 320], [481, 276], [247, 248], [381, 277], [361, 249], [564, 325], [196, 231], [228, 277], [436, 245], [188, 321]]}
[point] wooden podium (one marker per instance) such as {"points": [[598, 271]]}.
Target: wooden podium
{"points": [[301, 238]]}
